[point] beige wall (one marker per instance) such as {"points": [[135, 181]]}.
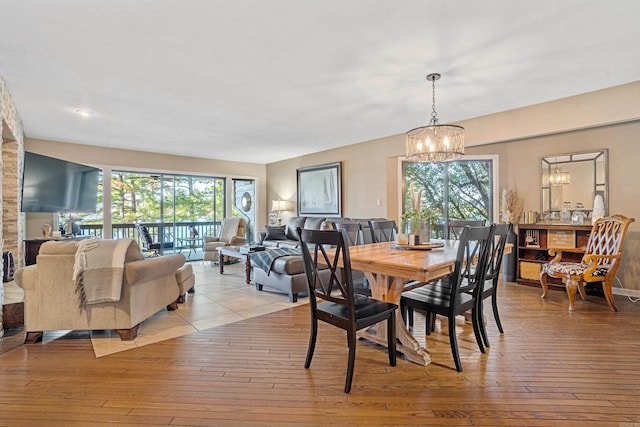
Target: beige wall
{"points": [[153, 162], [582, 123]]}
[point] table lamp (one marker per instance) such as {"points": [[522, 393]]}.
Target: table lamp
{"points": [[279, 206]]}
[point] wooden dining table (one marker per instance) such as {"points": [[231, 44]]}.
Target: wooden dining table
{"points": [[388, 270]]}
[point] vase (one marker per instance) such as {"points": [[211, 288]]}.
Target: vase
{"points": [[46, 231], [509, 261], [418, 231]]}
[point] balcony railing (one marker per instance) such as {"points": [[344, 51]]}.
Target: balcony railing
{"points": [[174, 233]]}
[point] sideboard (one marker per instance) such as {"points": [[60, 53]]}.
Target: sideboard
{"points": [[534, 242]]}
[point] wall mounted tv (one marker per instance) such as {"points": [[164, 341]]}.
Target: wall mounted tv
{"points": [[54, 185]]}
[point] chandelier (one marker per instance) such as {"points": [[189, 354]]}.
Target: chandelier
{"points": [[559, 177], [435, 142]]}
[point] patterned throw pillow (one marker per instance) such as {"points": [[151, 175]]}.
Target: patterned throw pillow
{"points": [[275, 232]]}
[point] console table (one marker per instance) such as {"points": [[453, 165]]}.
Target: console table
{"points": [[32, 247]]}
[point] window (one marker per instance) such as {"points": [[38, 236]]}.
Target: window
{"points": [[455, 190]]}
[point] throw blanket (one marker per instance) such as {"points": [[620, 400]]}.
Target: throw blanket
{"points": [[98, 270], [264, 259]]}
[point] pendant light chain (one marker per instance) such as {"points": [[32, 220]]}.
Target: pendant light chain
{"points": [[435, 142], [434, 115]]}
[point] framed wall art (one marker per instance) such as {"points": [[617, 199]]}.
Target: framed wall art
{"points": [[320, 190]]}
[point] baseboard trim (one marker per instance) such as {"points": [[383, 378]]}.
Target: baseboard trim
{"points": [[626, 292]]}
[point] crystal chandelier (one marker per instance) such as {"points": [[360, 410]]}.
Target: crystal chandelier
{"points": [[557, 176], [435, 142]]}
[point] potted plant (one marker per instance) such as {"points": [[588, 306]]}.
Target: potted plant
{"points": [[415, 220]]}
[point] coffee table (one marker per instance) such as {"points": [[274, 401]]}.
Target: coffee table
{"points": [[234, 252]]}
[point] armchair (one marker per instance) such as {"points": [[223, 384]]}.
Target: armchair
{"points": [[599, 263], [152, 248], [232, 233]]}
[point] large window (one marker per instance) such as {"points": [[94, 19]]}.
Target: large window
{"points": [[452, 190]]}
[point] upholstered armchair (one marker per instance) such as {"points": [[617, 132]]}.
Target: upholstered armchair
{"points": [[232, 233], [599, 263]]}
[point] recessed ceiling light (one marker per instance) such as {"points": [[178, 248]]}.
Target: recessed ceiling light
{"points": [[84, 112]]}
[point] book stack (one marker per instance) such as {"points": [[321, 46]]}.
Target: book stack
{"points": [[249, 249]]}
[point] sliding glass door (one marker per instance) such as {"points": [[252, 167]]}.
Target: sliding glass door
{"points": [[175, 208], [453, 190]]}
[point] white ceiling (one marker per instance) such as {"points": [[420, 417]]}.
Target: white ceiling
{"points": [[266, 80]]}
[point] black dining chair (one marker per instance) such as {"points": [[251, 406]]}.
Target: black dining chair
{"points": [[383, 230], [455, 226], [461, 293], [355, 237], [492, 276], [340, 305], [491, 279]]}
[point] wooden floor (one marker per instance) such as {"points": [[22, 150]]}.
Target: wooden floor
{"points": [[550, 368]]}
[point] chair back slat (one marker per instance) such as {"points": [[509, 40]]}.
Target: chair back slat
{"points": [[338, 287], [496, 250], [354, 235], [607, 238], [471, 261], [383, 230], [455, 226]]}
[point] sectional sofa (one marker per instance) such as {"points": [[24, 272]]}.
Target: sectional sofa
{"points": [[287, 272]]}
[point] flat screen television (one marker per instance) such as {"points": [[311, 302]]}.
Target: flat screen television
{"points": [[55, 185]]}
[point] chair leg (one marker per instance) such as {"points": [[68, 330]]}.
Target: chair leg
{"points": [[608, 294], [351, 339], [583, 293], [478, 329], [482, 327], [391, 339], [313, 334], [432, 321], [454, 343], [543, 282], [572, 288], [428, 322], [494, 304]]}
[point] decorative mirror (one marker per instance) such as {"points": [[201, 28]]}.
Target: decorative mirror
{"points": [[574, 180], [245, 202]]}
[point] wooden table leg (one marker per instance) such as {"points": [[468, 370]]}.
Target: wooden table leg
{"points": [[247, 269], [389, 289], [221, 262]]}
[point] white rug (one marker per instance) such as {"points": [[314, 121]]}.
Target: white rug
{"points": [[218, 300]]}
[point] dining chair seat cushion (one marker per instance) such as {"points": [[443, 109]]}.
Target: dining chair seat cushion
{"points": [[436, 295], [572, 269], [365, 308]]}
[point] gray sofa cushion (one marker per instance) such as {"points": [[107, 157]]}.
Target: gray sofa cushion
{"points": [[314, 223], [288, 265], [292, 226]]}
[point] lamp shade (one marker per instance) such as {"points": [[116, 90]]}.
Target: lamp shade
{"points": [[435, 143], [278, 205]]}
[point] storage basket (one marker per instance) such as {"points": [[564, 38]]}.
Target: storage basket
{"points": [[530, 270]]}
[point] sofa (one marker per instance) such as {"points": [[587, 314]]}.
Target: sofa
{"points": [[285, 236], [51, 301], [286, 273]]}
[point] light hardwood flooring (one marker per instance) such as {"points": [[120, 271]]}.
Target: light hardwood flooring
{"points": [[550, 368]]}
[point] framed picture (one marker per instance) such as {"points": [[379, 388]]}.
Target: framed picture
{"points": [[320, 190]]}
